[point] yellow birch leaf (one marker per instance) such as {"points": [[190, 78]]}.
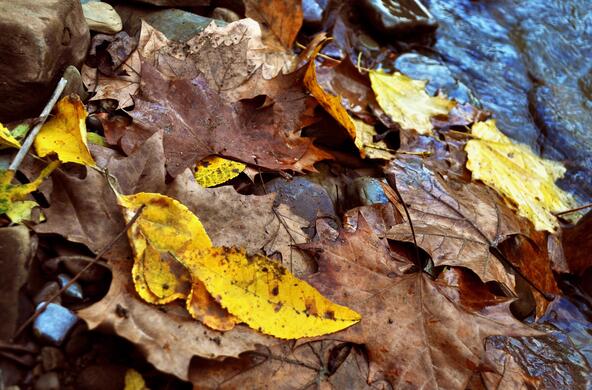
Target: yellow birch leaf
{"points": [[203, 307], [65, 133], [266, 296], [134, 381], [13, 201], [215, 170], [164, 227], [6, 139], [365, 142], [331, 104], [406, 101], [519, 175]]}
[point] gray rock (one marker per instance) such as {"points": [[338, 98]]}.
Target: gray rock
{"points": [[43, 38], [225, 14], [313, 12], [101, 17], [48, 291], [74, 291], [365, 191], [72, 75], [47, 381], [398, 18], [15, 246], [54, 323], [51, 358], [178, 25]]}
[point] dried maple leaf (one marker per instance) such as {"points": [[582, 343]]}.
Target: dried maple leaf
{"points": [[208, 126], [456, 223], [313, 365], [416, 333], [519, 175], [283, 17]]}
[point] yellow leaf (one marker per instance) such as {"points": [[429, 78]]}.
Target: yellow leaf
{"points": [[215, 170], [519, 175], [65, 133], [7, 139], [365, 142], [331, 104], [264, 295], [134, 381], [203, 307], [406, 101], [164, 227], [12, 196]]}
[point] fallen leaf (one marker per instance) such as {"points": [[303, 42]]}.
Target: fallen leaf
{"points": [[6, 139], [265, 295], [331, 103], [65, 133], [134, 380], [513, 170], [365, 143], [415, 334], [209, 126], [215, 170], [168, 336], [321, 364], [406, 101], [13, 197], [578, 246], [455, 222], [284, 17], [203, 307]]}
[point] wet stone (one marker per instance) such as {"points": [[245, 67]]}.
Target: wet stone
{"points": [[398, 18], [54, 323], [313, 12], [49, 290], [74, 291], [74, 79], [47, 381], [179, 25], [366, 191]]}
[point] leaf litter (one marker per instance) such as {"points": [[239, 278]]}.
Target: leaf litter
{"points": [[417, 287]]}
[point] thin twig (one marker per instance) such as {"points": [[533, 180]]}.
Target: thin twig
{"points": [[18, 159], [586, 206], [100, 254]]}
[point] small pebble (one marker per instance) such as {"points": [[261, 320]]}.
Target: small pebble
{"points": [[54, 323], [366, 191], [101, 17], [49, 290], [47, 381], [74, 86], [74, 291], [51, 358]]}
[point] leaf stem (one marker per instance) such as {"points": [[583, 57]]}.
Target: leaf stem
{"points": [[18, 159], [586, 206]]}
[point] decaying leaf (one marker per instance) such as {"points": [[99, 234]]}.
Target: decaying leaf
{"points": [[265, 295], [6, 139], [283, 17], [215, 170], [455, 222], [406, 101], [415, 332], [203, 307], [134, 381], [367, 146], [331, 104], [522, 177], [65, 133], [13, 197], [209, 126]]}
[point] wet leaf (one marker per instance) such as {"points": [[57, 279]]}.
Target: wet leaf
{"points": [[265, 295], [215, 170], [367, 146], [6, 139], [416, 335], [513, 170], [203, 307], [65, 133], [13, 197], [134, 380], [455, 222], [578, 246], [283, 17], [406, 101]]}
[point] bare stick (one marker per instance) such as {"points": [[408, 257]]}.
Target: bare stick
{"points": [[44, 305], [14, 165], [586, 206]]}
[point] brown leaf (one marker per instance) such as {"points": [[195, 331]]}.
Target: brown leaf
{"points": [[283, 17], [456, 223], [84, 208], [168, 335], [319, 364], [578, 245], [415, 334], [199, 123]]}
